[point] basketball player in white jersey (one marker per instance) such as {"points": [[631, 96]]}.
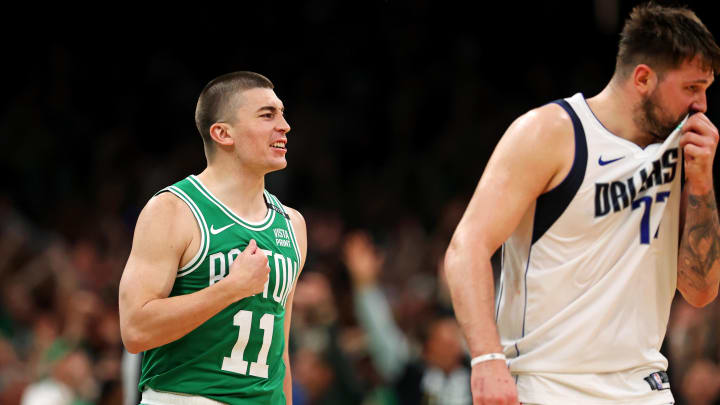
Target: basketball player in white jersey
{"points": [[586, 196]]}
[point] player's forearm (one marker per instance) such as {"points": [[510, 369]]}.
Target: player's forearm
{"points": [[164, 320], [470, 279], [699, 254]]}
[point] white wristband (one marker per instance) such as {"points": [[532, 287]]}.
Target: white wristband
{"points": [[487, 357]]}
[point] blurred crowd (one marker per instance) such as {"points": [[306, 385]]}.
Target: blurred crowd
{"points": [[59, 328], [392, 126]]}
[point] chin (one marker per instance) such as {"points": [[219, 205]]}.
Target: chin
{"points": [[275, 166]]}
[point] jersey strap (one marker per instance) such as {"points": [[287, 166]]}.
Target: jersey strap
{"points": [[553, 203], [272, 206], [271, 200], [202, 224]]}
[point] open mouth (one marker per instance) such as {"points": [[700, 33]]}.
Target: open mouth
{"points": [[278, 145]]}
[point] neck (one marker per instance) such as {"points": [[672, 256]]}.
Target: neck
{"points": [[238, 188], [617, 107]]}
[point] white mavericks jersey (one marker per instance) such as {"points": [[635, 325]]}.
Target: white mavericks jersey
{"points": [[589, 274]]}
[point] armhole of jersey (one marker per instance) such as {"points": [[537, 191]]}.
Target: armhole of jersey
{"points": [[553, 203], [204, 234], [293, 238]]}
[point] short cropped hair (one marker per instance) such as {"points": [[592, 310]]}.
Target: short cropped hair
{"points": [[664, 38], [217, 98]]}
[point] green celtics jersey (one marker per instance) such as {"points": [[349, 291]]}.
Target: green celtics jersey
{"points": [[235, 357]]}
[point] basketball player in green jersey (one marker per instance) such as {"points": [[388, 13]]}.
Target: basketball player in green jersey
{"points": [[207, 291]]}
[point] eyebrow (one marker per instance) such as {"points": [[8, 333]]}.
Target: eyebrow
{"points": [[271, 108], [701, 81]]}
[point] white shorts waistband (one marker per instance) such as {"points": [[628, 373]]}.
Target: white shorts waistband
{"points": [[152, 397]]}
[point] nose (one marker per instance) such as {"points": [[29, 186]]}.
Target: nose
{"points": [[699, 104], [283, 125]]}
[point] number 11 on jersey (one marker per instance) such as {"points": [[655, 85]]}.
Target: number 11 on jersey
{"points": [[235, 363]]}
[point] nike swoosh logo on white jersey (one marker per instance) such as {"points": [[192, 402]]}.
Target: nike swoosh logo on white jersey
{"points": [[602, 162], [217, 231]]}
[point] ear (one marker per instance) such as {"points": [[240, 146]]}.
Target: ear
{"points": [[220, 133], [645, 79]]}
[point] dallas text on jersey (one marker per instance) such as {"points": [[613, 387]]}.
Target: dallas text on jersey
{"points": [[619, 195]]}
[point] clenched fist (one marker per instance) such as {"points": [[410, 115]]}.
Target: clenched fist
{"points": [[249, 271]]}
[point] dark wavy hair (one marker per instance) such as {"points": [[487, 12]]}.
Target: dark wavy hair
{"points": [[664, 38]]}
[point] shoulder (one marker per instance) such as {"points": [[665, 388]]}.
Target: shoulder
{"points": [[538, 147], [166, 216], [300, 228], [165, 205], [163, 235], [298, 221], [548, 123]]}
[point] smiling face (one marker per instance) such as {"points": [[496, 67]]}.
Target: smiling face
{"points": [[679, 92], [258, 129]]}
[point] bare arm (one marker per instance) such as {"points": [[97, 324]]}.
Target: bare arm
{"points": [[298, 223], [163, 236], [532, 157], [699, 254]]}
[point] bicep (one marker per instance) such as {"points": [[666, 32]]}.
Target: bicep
{"points": [[159, 242], [286, 329], [530, 159], [298, 223], [288, 317], [300, 229]]}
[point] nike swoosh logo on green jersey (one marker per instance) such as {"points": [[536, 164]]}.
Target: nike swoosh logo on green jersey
{"points": [[217, 231]]}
